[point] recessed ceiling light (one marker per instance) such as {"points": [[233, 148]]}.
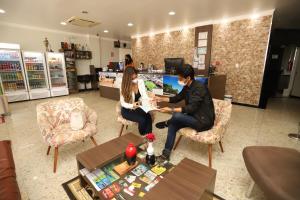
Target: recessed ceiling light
{"points": [[63, 23], [130, 24], [172, 13], [2, 11], [254, 16], [84, 12], [105, 31]]}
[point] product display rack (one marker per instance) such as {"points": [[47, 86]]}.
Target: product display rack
{"points": [[36, 74], [57, 74], [12, 75], [71, 70]]}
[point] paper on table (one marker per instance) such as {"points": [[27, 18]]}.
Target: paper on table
{"points": [[148, 105]]}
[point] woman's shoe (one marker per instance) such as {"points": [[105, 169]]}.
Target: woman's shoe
{"points": [[161, 125]]}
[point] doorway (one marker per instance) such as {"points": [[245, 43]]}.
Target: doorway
{"points": [[282, 71]]}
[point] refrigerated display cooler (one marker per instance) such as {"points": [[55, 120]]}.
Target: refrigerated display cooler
{"points": [[12, 73], [57, 74], [36, 75]]}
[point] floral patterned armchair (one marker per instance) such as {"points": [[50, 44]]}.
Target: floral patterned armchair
{"points": [[126, 122], [216, 133], [53, 118]]}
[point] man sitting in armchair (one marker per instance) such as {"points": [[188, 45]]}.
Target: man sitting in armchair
{"points": [[198, 112]]}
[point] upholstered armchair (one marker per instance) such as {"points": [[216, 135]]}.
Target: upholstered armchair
{"points": [[53, 118], [216, 133], [125, 122]]}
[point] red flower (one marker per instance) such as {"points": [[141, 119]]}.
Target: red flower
{"points": [[150, 137]]}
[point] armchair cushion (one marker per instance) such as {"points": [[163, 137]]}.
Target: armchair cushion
{"points": [[77, 120], [216, 133], [63, 134]]}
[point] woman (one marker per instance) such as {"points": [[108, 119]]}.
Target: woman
{"points": [[128, 61], [132, 90]]}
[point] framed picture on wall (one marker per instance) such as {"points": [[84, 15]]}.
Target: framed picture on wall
{"points": [[201, 59], [201, 50], [202, 43], [202, 35]]}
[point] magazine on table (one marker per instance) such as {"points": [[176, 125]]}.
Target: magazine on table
{"points": [[148, 105]]}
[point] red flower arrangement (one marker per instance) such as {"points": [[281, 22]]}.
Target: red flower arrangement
{"points": [[150, 137]]}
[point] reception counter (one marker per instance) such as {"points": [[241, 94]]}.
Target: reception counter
{"points": [[158, 83]]}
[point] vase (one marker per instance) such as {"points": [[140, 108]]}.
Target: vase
{"points": [[150, 158]]}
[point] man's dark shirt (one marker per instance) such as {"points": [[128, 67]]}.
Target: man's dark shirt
{"points": [[198, 103]]}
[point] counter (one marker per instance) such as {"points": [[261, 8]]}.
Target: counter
{"points": [[158, 83]]}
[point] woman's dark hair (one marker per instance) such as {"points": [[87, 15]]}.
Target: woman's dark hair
{"points": [[128, 59], [186, 71], [126, 86]]}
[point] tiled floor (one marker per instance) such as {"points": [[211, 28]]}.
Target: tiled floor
{"points": [[248, 126]]}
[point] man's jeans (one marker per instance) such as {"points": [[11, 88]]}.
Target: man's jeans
{"points": [[178, 121]]}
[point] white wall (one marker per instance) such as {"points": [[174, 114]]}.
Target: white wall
{"points": [[31, 39], [108, 49]]}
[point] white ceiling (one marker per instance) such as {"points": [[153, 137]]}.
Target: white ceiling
{"points": [[146, 15]]}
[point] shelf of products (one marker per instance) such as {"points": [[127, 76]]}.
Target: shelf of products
{"points": [[71, 70], [11, 74], [35, 70], [85, 55], [56, 72]]}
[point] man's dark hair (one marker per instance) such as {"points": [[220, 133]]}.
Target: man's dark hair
{"points": [[186, 71]]}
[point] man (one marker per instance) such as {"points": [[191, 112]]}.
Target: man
{"points": [[198, 112]]}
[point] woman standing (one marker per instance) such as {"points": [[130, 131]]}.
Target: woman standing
{"points": [[128, 61], [132, 90]]}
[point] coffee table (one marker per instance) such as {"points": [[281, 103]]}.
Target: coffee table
{"points": [[188, 180]]}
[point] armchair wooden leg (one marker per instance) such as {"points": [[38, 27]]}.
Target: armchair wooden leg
{"points": [[48, 150], [55, 159], [126, 127], [121, 130], [177, 142], [221, 146], [209, 155], [94, 141]]}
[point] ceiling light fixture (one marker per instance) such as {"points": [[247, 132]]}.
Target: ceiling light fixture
{"points": [[172, 13], [130, 24], [105, 31], [84, 12], [63, 23], [224, 21], [254, 16], [2, 11]]}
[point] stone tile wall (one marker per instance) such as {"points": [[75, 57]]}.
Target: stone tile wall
{"points": [[153, 50], [240, 46]]}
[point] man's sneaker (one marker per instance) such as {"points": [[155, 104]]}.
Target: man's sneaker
{"points": [[162, 158]]}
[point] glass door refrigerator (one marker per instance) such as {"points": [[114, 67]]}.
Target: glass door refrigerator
{"points": [[57, 74], [36, 74], [12, 73]]}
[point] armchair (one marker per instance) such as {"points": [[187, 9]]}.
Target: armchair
{"points": [[216, 133], [53, 118]]}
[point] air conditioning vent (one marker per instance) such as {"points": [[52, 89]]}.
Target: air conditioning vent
{"points": [[77, 21]]}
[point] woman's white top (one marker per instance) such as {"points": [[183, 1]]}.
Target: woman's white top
{"points": [[142, 90]]}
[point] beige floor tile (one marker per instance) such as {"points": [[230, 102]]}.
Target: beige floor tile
{"points": [[248, 126]]}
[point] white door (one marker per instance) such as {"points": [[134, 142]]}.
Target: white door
{"points": [[296, 83]]}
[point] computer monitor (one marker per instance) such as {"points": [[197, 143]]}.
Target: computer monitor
{"points": [[171, 64], [171, 86]]}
